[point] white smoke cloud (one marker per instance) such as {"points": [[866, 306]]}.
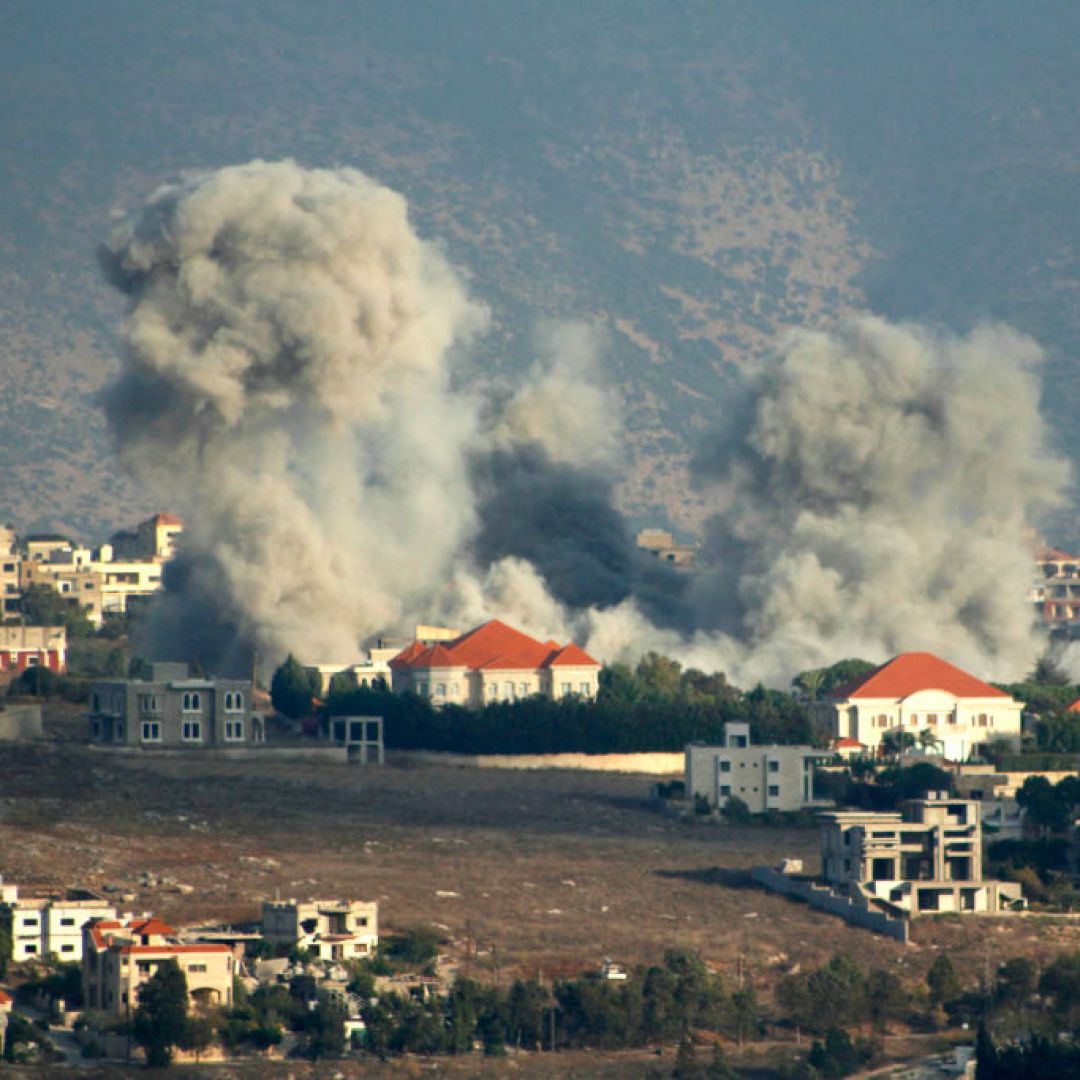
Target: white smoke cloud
{"points": [[286, 388]]}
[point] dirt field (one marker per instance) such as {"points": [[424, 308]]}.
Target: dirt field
{"points": [[542, 871]]}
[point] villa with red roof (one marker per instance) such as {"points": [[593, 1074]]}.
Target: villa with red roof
{"points": [[119, 956], [917, 692], [493, 662]]}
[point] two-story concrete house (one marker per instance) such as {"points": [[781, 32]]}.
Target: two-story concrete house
{"points": [[763, 777], [331, 929], [119, 956], [50, 922], [924, 859], [173, 709]]}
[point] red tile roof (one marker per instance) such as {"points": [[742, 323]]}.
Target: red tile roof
{"points": [[492, 646], [847, 743], [909, 673], [1074, 707], [165, 518], [570, 656], [150, 926], [5, 998], [1049, 554]]}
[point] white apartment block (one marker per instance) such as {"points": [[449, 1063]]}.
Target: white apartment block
{"points": [[51, 925], [763, 777]]}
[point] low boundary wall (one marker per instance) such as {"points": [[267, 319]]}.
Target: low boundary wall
{"points": [[318, 755], [824, 899], [657, 764]]}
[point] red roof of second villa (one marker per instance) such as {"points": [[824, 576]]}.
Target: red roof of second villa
{"points": [[911, 672], [493, 646]]}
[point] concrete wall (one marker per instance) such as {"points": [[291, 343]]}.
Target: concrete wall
{"points": [[20, 722], [319, 755], [657, 764], [818, 896]]}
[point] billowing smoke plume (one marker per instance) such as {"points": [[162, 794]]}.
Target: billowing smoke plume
{"points": [[873, 494], [287, 389]]}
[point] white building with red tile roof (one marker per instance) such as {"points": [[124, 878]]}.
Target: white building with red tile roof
{"points": [[493, 662], [917, 692], [119, 956], [1056, 592]]}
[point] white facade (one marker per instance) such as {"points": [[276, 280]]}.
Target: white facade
{"points": [[44, 926], [764, 777], [958, 724], [331, 929]]}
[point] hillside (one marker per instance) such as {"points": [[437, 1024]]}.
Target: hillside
{"points": [[695, 179]]}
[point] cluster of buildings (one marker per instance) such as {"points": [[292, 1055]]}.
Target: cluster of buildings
{"points": [[103, 581], [119, 952]]}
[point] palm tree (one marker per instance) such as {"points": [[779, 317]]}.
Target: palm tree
{"points": [[895, 741], [928, 739]]}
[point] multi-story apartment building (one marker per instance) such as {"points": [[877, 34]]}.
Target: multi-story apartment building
{"points": [[915, 693], [10, 573], [50, 923], [493, 663], [331, 929], [1055, 593], [924, 859], [763, 777], [119, 956], [172, 709]]}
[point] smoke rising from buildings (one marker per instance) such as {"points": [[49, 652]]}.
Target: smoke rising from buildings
{"points": [[287, 388]]}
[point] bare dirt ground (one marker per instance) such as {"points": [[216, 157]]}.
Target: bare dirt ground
{"points": [[540, 871]]}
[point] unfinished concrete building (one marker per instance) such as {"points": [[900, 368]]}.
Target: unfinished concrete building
{"points": [[924, 859]]}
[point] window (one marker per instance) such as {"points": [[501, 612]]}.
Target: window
{"points": [[95, 729], [455, 690], [523, 689], [725, 766], [30, 920], [151, 731], [234, 730], [931, 719], [67, 948], [119, 736], [982, 719], [492, 689], [95, 703], [774, 766], [584, 689], [191, 701], [422, 689], [566, 689], [234, 701], [725, 790], [67, 922], [361, 920], [774, 791], [31, 949], [199, 969], [440, 689], [191, 731], [148, 704]]}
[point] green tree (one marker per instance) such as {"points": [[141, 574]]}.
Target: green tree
{"points": [[292, 690], [886, 998], [1016, 981], [1047, 672], [719, 1067], [160, 1021], [942, 981], [44, 606], [324, 1031], [1045, 807], [928, 739], [837, 993], [836, 1057], [1061, 982], [686, 1064]]}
